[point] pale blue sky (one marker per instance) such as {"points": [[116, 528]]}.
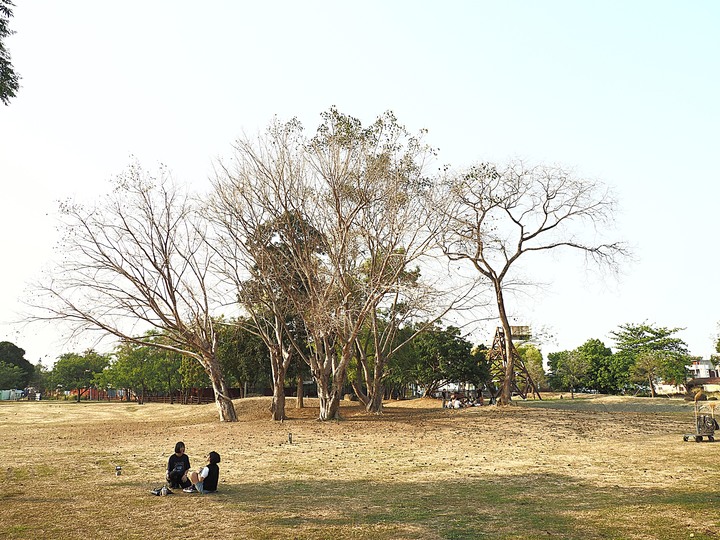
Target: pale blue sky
{"points": [[626, 92]]}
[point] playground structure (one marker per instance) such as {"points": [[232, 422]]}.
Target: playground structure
{"points": [[522, 384]]}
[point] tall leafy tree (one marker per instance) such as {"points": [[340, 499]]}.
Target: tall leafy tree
{"points": [[649, 352], [144, 368], [442, 356], [476, 369], [533, 360], [13, 355], [9, 79], [569, 369], [631, 339], [128, 370], [41, 379], [243, 354], [277, 288], [647, 368], [11, 376], [192, 375], [400, 369], [601, 375], [167, 371], [79, 371]]}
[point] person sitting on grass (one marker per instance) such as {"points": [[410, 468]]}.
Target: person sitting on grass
{"points": [[206, 479], [178, 468]]}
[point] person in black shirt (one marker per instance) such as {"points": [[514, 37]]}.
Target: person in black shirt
{"points": [[206, 479], [178, 468]]}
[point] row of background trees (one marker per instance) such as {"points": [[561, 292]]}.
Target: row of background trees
{"points": [[644, 355]]}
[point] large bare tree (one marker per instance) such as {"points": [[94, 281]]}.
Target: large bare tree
{"points": [[136, 261], [341, 219], [257, 210], [369, 187], [498, 214]]}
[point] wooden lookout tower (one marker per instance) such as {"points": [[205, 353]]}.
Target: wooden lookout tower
{"points": [[523, 384]]}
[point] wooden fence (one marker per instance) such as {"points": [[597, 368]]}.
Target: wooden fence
{"points": [[182, 400]]}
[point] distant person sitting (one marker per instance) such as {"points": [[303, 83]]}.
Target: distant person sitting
{"points": [[206, 479], [178, 468]]}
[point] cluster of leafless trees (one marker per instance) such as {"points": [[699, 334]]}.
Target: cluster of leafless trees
{"points": [[319, 240]]}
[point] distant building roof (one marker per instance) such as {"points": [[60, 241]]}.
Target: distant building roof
{"points": [[703, 380]]}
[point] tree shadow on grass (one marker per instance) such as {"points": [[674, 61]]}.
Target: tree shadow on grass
{"points": [[488, 507], [518, 507]]}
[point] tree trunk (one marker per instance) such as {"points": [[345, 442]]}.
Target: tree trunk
{"points": [[226, 409], [225, 406], [278, 404], [329, 374], [329, 400], [279, 361], [300, 392], [360, 393], [329, 395], [376, 393], [329, 391], [376, 388], [506, 393], [652, 386], [362, 375], [375, 405]]}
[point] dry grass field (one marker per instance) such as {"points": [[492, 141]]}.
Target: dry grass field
{"points": [[601, 467]]}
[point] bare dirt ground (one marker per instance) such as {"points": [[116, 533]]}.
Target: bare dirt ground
{"points": [[604, 467]]}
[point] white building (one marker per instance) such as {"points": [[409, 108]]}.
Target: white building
{"points": [[702, 369], [705, 373]]}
